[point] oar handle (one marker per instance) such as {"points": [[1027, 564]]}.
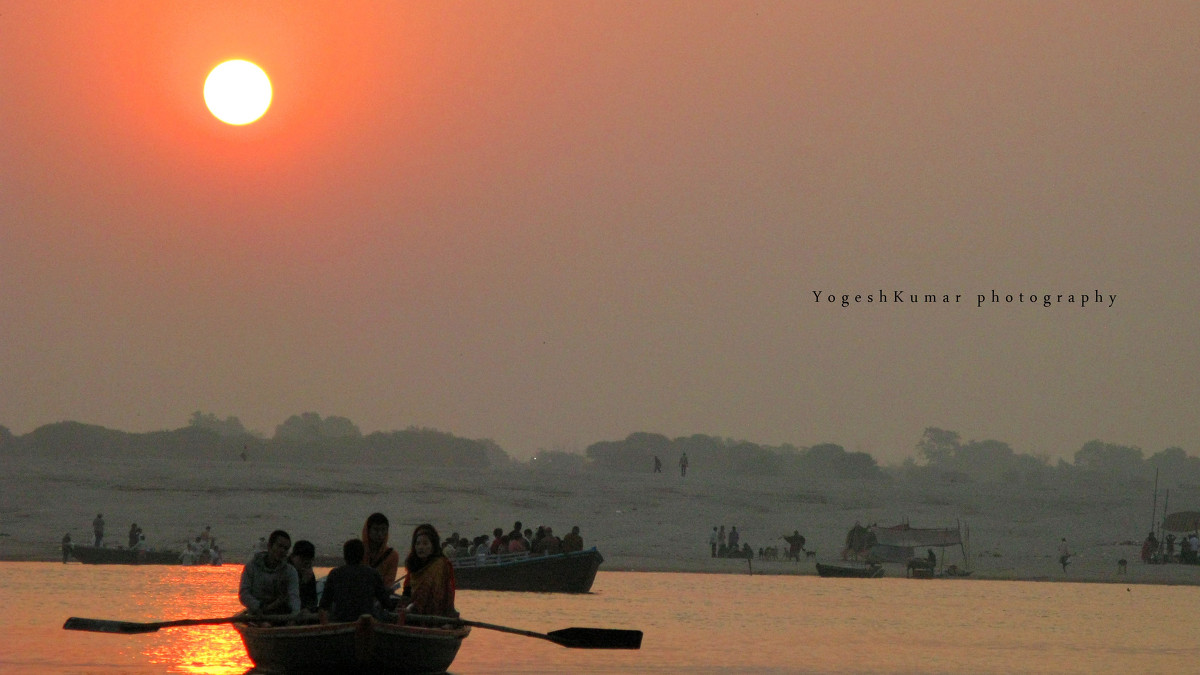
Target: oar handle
{"points": [[202, 622]]}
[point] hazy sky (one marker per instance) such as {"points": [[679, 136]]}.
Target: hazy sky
{"points": [[552, 223]]}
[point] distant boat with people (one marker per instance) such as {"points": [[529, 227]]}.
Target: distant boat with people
{"points": [[101, 555], [556, 573]]}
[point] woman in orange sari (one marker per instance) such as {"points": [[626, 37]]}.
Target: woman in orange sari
{"points": [[429, 586]]}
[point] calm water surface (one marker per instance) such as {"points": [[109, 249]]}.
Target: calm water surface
{"points": [[693, 623]]}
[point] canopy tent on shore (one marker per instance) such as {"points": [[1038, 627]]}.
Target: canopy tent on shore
{"points": [[1182, 521], [899, 543]]}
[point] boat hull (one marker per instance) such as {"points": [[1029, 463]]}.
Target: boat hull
{"points": [[561, 573], [849, 571], [364, 646], [92, 555]]}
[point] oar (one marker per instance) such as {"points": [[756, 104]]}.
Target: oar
{"points": [[578, 638], [131, 627]]}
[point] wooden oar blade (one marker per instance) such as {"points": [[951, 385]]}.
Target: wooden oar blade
{"points": [[597, 638], [106, 626]]}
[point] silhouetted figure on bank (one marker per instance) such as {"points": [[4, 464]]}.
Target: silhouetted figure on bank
{"points": [[795, 545], [1149, 548], [98, 528]]}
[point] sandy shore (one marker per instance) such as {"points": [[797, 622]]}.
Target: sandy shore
{"points": [[639, 522]]}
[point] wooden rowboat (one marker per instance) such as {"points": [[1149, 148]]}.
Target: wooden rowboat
{"points": [[859, 570], [363, 646], [560, 573]]}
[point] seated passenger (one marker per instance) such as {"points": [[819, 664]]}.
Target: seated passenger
{"points": [[517, 544], [429, 586], [302, 556], [499, 542], [269, 585], [572, 541], [553, 545], [353, 589], [385, 559]]}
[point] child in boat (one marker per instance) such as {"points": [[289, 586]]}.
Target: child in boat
{"points": [[353, 589], [429, 586], [377, 553]]}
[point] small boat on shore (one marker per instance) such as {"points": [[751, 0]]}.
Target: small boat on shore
{"points": [[99, 555], [850, 569], [559, 573], [363, 646]]}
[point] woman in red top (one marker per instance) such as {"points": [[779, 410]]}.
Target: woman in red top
{"points": [[378, 554], [429, 586]]}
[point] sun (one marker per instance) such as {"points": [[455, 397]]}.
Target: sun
{"points": [[237, 92]]}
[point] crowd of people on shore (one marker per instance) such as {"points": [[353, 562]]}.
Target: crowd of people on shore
{"points": [[1155, 551], [729, 544]]}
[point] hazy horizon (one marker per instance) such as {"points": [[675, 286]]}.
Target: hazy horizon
{"points": [[550, 225]]}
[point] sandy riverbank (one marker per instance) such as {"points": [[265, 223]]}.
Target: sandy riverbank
{"points": [[640, 522]]}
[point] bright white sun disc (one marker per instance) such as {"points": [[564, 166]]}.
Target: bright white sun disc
{"points": [[237, 92]]}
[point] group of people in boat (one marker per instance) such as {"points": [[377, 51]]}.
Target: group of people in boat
{"points": [[202, 550], [541, 541], [280, 580]]}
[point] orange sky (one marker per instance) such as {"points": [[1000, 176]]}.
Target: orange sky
{"points": [[550, 224]]}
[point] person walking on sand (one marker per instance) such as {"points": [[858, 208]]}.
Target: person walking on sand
{"points": [[683, 465], [712, 541], [657, 464], [1064, 555]]}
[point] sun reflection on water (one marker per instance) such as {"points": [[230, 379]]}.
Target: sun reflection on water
{"points": [[203, 650]]}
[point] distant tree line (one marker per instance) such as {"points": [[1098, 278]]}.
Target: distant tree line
{"points": [[306, 437], [948, 456], [940, 454], [727, 456]]}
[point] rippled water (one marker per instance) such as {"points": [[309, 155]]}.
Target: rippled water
{"points": [[693, 623]]}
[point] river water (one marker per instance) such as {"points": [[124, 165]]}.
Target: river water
{"points": [[693, 623]]}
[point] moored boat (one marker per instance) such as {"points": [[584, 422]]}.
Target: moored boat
{"points": [[363, 646], [99, 555], [559, 573], [850, 569]]}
